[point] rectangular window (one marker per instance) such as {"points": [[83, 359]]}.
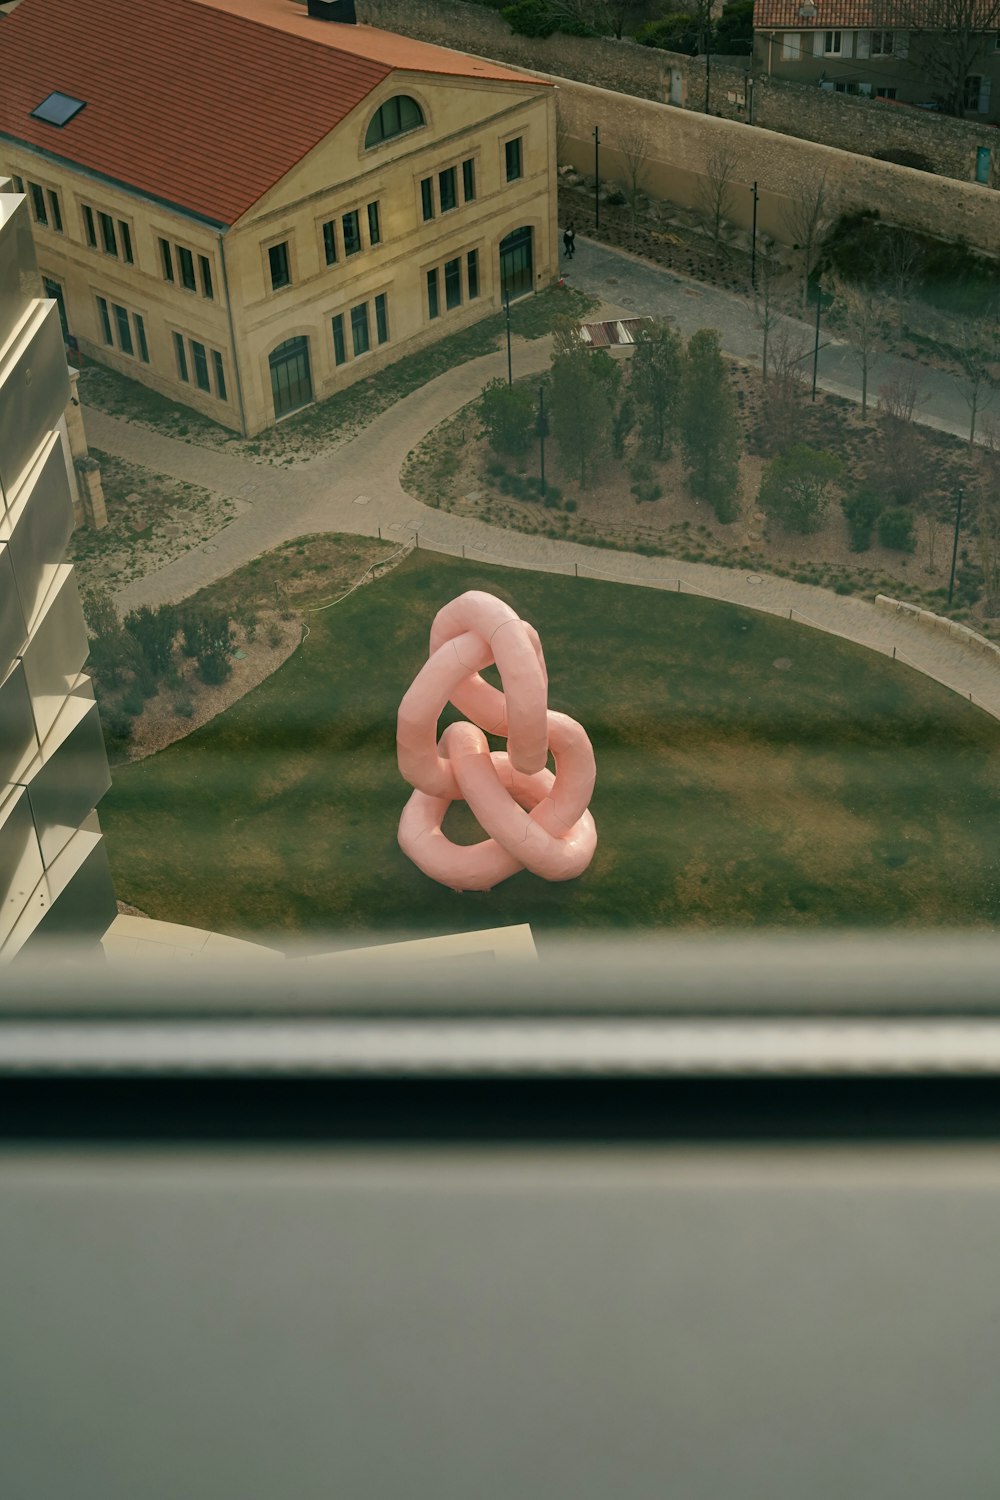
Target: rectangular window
{"points": [[126, 238], [205, 268], [971, 92], [166, 260], [185, 265], [140, 337], [182, 364], [433, 306], [513, 154], [374, 227], [124, 331], [108, 234], [330, 242], [881, 93], [453, 283], [339, 347], [55, 211], [382, 318], [200, 366], [469, 180], [280, 272], [89, 226], [351, 227], [881, 44], [472, 266], [448, 189], [791, 47], [38, 203], [18, 183], [102, 308], [832, 43], [220, 376], [359, 328], [427, 197]]}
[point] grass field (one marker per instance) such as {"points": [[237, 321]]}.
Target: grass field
{"points": [[840, 789]]}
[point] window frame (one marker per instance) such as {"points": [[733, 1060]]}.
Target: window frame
{"points": [[472, 273], [89, 225], [55, 210], [180, 355], [427, 205], [381, 318], [392, 133], [328, 231], [833, 43], [350, 229], [433, 294], [339, 342], [516, 145], [199, 364], [109, 237], [219, 369], [284, 247], [40, 212], [140, 337], [186, 279], [448, 180], [205, 277], [374, 225], [125, 343], [452, 283], [469, 180], [105, 317], [881, 50], [167, 260], [360, 324]]}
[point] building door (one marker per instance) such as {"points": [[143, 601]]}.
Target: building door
{"points": [[676, 86], [54, 290], [291, 382], [517, 275]]}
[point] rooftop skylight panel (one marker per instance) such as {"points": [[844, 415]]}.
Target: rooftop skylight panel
{"points": [[58, 109]]}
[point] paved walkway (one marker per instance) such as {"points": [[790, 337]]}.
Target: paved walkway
{"points": [[356, 489]]}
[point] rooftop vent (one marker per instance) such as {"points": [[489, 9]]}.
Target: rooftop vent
{"points": [[58, 109], [333, 10]]}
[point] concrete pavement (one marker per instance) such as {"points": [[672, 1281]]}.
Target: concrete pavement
{"points": [[356, 489]]}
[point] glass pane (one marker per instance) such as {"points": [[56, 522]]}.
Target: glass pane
{"points": [[182, 367], [453, 283], [185, 262], [38, 203], [291, 383], [469, 179], [126, 236], [124, 331], [427, 197], [108, 233], [200, 365], [410, 115], [167, 260], [432, 294], [374, 229], [56, 211], [278, 258], [513, 151], [220, 376], [140, 333], [352, 233], [339, 347], [88, 220], [330, 242], [204, 266], [58, 109], [105, 320], [473, 268], [382, 318], [359, 328], [448, 189], [54, 290]]}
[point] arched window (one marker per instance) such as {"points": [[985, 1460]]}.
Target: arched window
{"points": [[396, 115]]}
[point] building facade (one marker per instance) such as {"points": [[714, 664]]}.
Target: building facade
{"points": [[880, 49], [54, 877], [367, 195]]}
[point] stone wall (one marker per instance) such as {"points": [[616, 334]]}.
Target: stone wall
{"points": [[850, 124]]}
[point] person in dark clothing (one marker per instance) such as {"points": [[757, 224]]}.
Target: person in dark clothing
{"points": [[569, 241]]}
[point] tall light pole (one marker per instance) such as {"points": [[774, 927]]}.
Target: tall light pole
{"points": [[506, 311], [748, 95], [597, 176], [541, 435], [819, 303], [954, 549], [753, 241]]}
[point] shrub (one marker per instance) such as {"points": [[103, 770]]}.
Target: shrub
{"points": [[154, 630], [507, 413], [116, 725], [530, 18], [274, 636], [795, 489], [209, 637], [570, 505], [495, 468], [862, 509], [616, 198], [184, 706], [895, 530]]}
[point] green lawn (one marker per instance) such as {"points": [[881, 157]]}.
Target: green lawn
{"points": [[730, 792]]}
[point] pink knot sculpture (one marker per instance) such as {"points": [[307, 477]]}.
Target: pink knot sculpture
{"points": [[535, 820]]}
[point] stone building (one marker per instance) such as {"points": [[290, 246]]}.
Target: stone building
{"points": [[248, 204], [884, 49]]}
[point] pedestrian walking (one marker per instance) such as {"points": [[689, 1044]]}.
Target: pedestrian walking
{"points": [[569, 241]]}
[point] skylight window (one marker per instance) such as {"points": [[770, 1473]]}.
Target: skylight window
{"points": [[58, 109]]}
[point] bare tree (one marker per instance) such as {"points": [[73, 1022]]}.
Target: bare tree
{"points": [[903, 257], [953, 38], [807, 218], [903, 470], [634, 141], [866, 329], [715, 191], [987, 515], [971, 345], [785, 390], [764, 306], [930, 526]]}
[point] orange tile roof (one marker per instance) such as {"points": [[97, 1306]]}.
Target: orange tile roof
{"points": [[203, 104], [783, 15]]}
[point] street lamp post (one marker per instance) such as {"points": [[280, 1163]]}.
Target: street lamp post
{"points": [[748, 92], [597, 176], [819, 304], [753, 240], [954, 549], [541, 435], [506, 309]]}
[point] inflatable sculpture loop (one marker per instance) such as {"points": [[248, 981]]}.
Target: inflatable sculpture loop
{"points": [[535, 820]]}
